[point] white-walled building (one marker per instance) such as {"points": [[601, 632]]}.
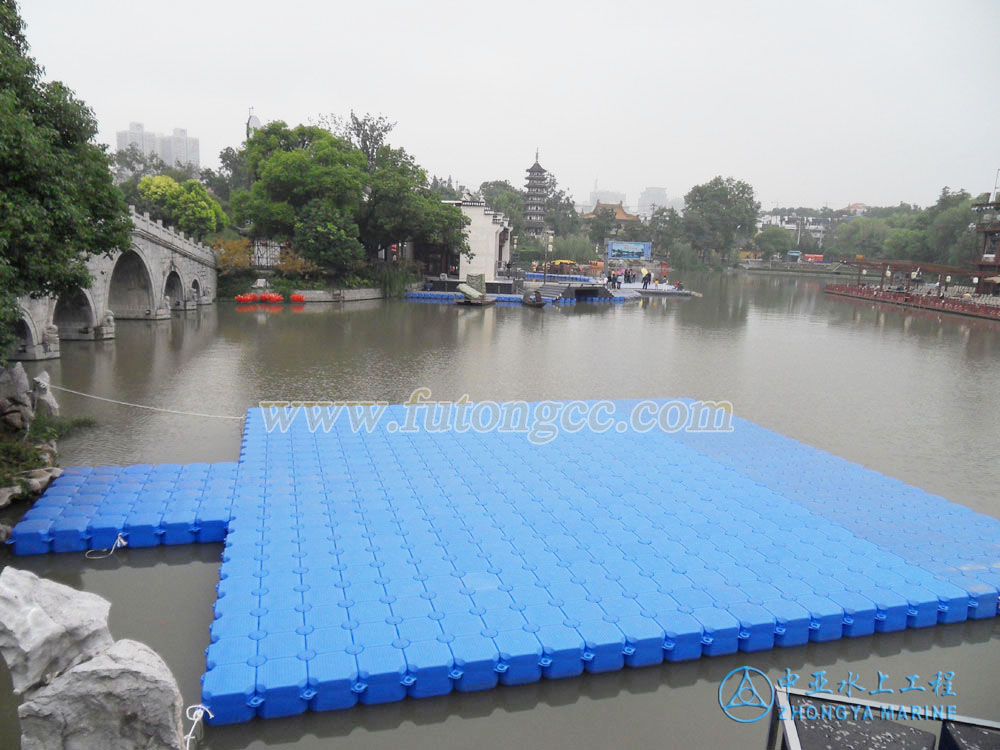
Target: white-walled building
{"points": [[489, 240], [816, 226]]}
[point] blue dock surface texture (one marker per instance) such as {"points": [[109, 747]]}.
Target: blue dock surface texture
{"points": [[365, 567]]}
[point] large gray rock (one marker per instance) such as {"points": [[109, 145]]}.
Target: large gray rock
{"points": [[45, 402], [46, 628], [7, 494], [14, 385], [122, 699]]}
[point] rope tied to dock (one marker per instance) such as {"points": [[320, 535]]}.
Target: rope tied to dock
{"points": [[143, 406], [194, 714], [103, 553]]}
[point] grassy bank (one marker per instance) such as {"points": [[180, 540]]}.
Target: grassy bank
{"points": [[19, 451]]}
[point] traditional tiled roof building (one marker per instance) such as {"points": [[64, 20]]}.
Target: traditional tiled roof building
{"points": [[621, 215]]}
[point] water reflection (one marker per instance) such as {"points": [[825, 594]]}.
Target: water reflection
{"points": [[909, 393]]}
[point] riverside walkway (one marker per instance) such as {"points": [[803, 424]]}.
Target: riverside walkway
{"points": [[369, 566]]}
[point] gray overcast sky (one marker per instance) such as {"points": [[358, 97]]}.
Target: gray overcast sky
{"points": [[813, 103]]}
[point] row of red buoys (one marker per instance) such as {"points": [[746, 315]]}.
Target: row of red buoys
{"points": [[268, 297], [262, 297], [273, 309]]}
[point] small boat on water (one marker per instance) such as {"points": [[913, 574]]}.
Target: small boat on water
{"points": [[473, 297], [534, 300], [483, 301]]}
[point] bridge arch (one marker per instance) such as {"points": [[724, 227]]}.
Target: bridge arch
{"points": [[75, 315], [173, 288], [130, 290], [25, 336], [196, 290], [33, 339]]}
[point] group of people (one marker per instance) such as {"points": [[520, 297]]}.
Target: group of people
{"points": [[628, 276]]}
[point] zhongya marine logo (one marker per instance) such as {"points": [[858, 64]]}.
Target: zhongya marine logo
{"points": [[746, 695]]}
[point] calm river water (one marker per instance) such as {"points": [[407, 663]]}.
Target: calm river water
{"points": [[908, 393]]}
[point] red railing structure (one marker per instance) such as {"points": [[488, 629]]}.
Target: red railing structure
{"points": [[956, 305]]}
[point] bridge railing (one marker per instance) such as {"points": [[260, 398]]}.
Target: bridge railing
{"points": [[171, 238]]}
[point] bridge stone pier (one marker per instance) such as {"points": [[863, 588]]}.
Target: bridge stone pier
{"points": [[163, 273]]}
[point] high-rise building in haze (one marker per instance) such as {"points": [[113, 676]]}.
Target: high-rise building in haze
{"points": [[605, 196], [651, 197], [176, 148]]}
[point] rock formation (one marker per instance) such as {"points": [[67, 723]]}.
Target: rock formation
{"points": [[123, 698], [82, 689]]}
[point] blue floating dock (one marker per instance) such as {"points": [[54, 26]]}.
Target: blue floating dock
{"points": [[370, 566]]}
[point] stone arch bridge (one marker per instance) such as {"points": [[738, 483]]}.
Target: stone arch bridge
{"points": [[163, 272]]}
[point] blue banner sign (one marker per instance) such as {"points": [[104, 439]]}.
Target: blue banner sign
{"points": [[629, 250]]}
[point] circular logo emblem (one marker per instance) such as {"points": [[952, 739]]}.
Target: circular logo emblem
{"points": [[746, 695]]}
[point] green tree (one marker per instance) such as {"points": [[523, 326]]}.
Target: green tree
{"points": [[500, 195], [326, 235], [399, 207], [717, 213], [860, 236], [58, 203], [951, 237], [233, 174], [682, 256], [560, 212], [293, 167], [602, 226], [368, 134], [774, 241], [905, 244], [445, 190], [575, 247], [186, 205], [665, 229], [634, 231], [132, 162]]}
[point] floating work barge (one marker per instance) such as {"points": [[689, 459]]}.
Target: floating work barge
{"points": [[367, 566], [989, 310]]}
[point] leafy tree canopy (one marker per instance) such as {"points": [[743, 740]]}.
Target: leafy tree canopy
{"points": [[58, 200], [560, 212], [602, 226], [336, 203], [400, 207], [774, 241], [186, 205], [717, 213], [500, 195]]}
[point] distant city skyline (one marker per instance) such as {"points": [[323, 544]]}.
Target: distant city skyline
{"points": [[808, 105], [175, 148]]}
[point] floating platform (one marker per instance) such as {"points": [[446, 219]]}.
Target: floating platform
{"points": [[370, 566]]}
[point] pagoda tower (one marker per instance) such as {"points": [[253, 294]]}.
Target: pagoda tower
{"points": [[536, 191]]}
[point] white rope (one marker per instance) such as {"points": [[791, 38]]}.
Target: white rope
{"points": [[119, 542], [194, 713], [141, 406]]}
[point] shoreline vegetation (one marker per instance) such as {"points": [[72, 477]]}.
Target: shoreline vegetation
{"points": [[30, 425]]}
